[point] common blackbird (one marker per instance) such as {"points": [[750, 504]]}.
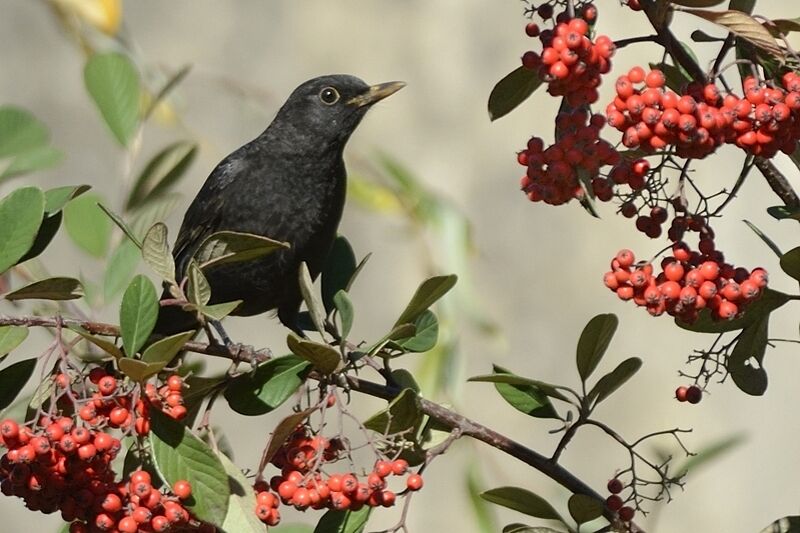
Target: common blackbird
{"points": [[287, 184]]}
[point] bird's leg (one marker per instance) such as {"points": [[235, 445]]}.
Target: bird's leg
{"points": [[222, 333]]}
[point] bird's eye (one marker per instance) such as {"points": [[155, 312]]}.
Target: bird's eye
{"points": [[329, 96]]}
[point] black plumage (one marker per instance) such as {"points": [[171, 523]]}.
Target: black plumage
{"points": [[287, 184]]}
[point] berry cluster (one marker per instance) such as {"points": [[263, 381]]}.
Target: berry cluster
{"points": [[570, 61], [303, 485], [689, 281], [554, 174], [61, 466], [691, 394], [614, 501], [700, 119]]}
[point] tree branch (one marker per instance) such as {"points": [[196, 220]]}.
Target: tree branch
{"points": [[777, 182]]}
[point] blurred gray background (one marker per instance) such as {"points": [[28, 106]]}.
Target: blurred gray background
{"points": [[535, 270]]}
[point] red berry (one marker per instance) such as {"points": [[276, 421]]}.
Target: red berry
{"points": [[615, 486], [626, 514], [9, 429], [694, 394], [414, 482], [160, 523], [614, 502], [399, 467], [128, 525], [107, 385], [532, 29], [182, 489]]}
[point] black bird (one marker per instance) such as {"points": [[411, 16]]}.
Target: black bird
{"points": [[287, 184]]}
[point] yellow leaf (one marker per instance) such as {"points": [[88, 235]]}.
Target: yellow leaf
{"points": [[105, 15]]}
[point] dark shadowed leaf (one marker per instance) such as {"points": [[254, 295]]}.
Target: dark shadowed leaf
{"points": [[47, 230], [21, 214], [155, 252], [524, 395], [162, 172], [426, 295], [522, 528], [272, 383], [522, 500], [179, 454], [781, 212], [745, 6], [164, 350], [401, 414], [105, 345], [87, 225], [745, 363], [790, 263], [55, 199], [609, 383], [337, 271], [138, 314], [325, 358], [787, 524], [696, 3], [345, 308], [593, 343], [743, 26], [502, 375], [676, 77], [511, 91], [343, 521], [13, 379], [768, 302], [121, 224], [10, 338], [48, 289], [583, 508], [282, 431], [769, 242], [231, 247], [113, 83]]}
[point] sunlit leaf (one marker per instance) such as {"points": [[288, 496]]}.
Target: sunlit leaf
{"points": [[240, 517], [344, 521], [198, 289], [105, 345], [231, 246], [265, 389], [10, 338], [522, 500], [156, 253], [426, 295], [345, 308], [315, 307], [113, 83], [48, 289], [88, 225], [119, 272], [325, 358], [743, 26], [138, 314], [21, 214], [402, 414], [164, 350]]}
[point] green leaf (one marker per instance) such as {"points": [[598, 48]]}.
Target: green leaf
{"points": [[315, 308], [139, 371], [13, 379], [120, 269], [766, 303], [113, 83], [783, 26], [55, 199], [763, 237], [787, 524], [230, 247], [20, 131], [199, 291], [426, 333], [790, 263], [743, 26], [265, 389], [780, 212], [583, 508], [345, 308], [426, 295], [48, 289], [337, 271], [155, 251], [405, 379], [504, 376], [609, 383], [696, 3], [35, 159], [522, 528], [593, 343], [107, 346], [117, 220], [138, 314], [483, 512], [359, 268], [171, 83], [709, 453], [527, 398], [511, 91], [343, 521], [401, 414], [47, 230], [219, 311], [87, 225], [166, 349], [240, 517], [10, 338], [179, 454], [282, 431], [746, 359], [523, 501], [325, 358], [162, 172], [21, 215]]}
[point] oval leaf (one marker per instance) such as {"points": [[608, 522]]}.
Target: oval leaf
{"points": [[162, 172], [113, 83], [615, 379], [511, 91], [231, 246], [164, 350], [583, 508], [402, 414], [107, 346], [522, 528], [87, 225], [337, 271], [48, 289], [10, 338], [742, 25], [120, 268], [315, 308], [272, 383], [523, 501], [747, 357], [139, 371], [527, 399], [155, 252], [696, 3], [345, 308], [426, 334], [426, 295], [13, 379], [240, 517], [56, 199], [20, 131], [594, 341], [325, 358], [179, 454], [503, 376], [285, 427], [343, 521], [21, 214], [199, 291], [138, 314], [219, 311], [790, 263]]}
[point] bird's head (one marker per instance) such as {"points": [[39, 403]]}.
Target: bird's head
{"points": [[330, 107]]}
